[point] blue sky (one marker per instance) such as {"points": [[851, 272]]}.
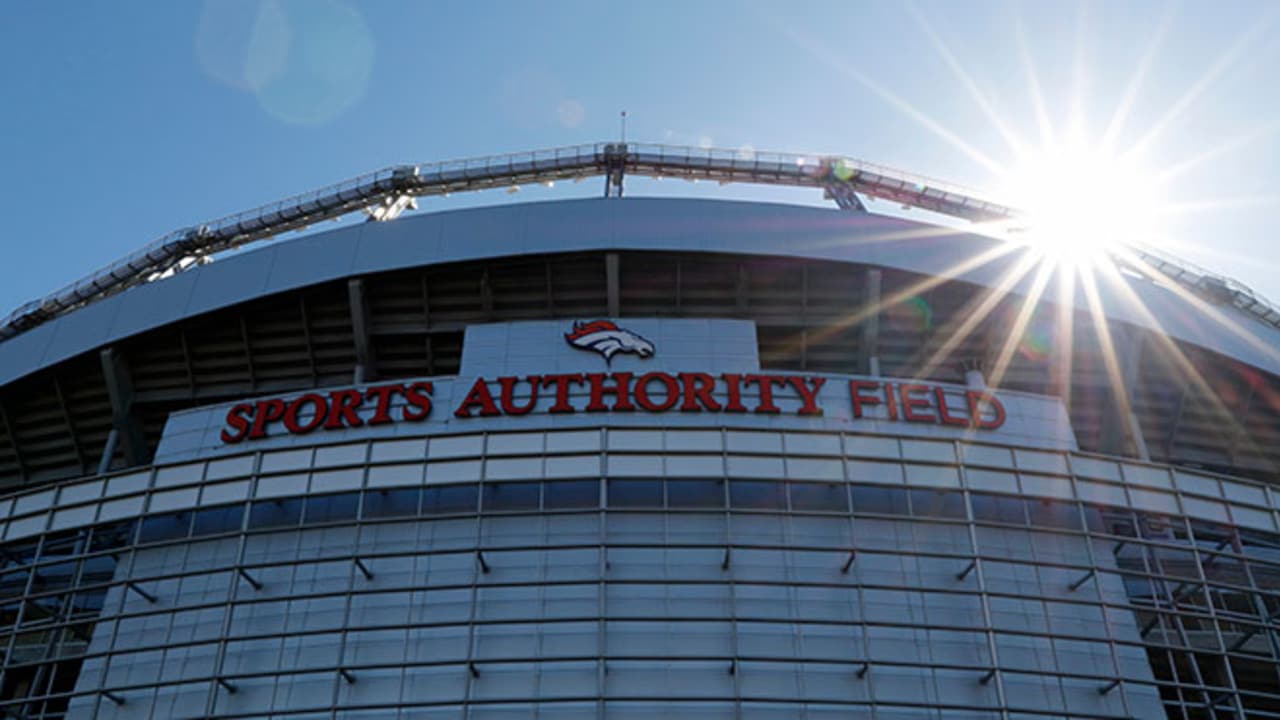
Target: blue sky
{"points": [[121, 121]]}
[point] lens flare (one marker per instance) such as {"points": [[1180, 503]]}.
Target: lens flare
{"points": [[1079, 203], [913, 313], [1036, 343]]}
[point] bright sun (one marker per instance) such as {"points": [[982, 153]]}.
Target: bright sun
{"points": [[1079, 204]]}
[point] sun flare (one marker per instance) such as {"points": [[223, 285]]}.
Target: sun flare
{"points": [[1079, 204]]}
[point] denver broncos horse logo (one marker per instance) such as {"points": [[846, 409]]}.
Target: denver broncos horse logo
{"points": [[608, 339]]}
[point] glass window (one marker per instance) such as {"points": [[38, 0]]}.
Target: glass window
{"points": [[1054, 514], [571, 494], [9, 614], [937, 503], [695, 493], [13, 584], [332, 507], [217, 520], [1259, 544], [275, 513], [88, 602], [392, 475], [165, 527], [61, 544], [98, 569], [57, 576], [110, 537], [999, 509], [879, 499], [391, 503], [757, 495], [1159, 527], [1109, 520], [456, 446], [41, 610], [635, 493], [821, 497], [449, 499], [21, 553], [335, 455], [511, 496]]}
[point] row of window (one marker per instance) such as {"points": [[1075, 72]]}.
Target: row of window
{"points": [[646, 494], [641, 494]]}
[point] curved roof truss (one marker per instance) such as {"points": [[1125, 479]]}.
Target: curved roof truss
{"points": [[386, 193]]}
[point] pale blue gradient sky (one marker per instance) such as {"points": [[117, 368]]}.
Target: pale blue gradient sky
{"points": [[120, 121]]}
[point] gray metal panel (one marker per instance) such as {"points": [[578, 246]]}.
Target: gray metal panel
{"points": [[468, 235], [387, 244], [312, 259], [25, 353], [591, 226], [634, 224], [151, 305], [87, 328], [220, 284]]}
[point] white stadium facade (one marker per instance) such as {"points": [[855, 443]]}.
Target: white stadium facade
{"points": [[636, 458]]}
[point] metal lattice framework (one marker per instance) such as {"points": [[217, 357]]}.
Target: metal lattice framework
{"points": [[385, 193]]}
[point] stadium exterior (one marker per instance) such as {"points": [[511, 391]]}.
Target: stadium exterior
{"points": [[636, 457]]}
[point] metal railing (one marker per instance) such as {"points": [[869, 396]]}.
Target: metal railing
{"points": [[843, 178]]}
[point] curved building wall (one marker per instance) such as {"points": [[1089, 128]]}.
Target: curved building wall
{"points": [[626, 572], [93, 389], [528, 555], [363, 475]]}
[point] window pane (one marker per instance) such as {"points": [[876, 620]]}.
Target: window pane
{"points": [[635, 493], [1054, 514], [63, 544], [165, 527], [57, 576], [757, 495], [571, 494], [695, 493], [88, 602], [822, 497], [391, 503], [275, 513], [331, 508], [1156, 526], [13, 584], [999, 509], [38, 611], [215, 520], [511, 496], [879, 499], [1109, 520], [98, 569], [937, 503], [449, 499], [110, 537]]}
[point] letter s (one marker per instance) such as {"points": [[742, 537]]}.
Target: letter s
{"points": [[238, 419], [417, 401]]}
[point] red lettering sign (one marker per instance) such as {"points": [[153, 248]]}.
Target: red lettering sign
{"points": [[653, 392]]}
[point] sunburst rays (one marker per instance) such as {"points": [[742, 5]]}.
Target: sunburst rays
{"points": [[1071, 284]]}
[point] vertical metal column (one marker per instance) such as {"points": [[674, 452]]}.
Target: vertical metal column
{"points": [[611, 280], [115, 370], [365, 369], [870, 361], [1097, 582], [602, 593], [1132, 360], [981, 580]]}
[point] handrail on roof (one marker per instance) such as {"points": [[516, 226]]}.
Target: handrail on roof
{"points": [[843, 178]]}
